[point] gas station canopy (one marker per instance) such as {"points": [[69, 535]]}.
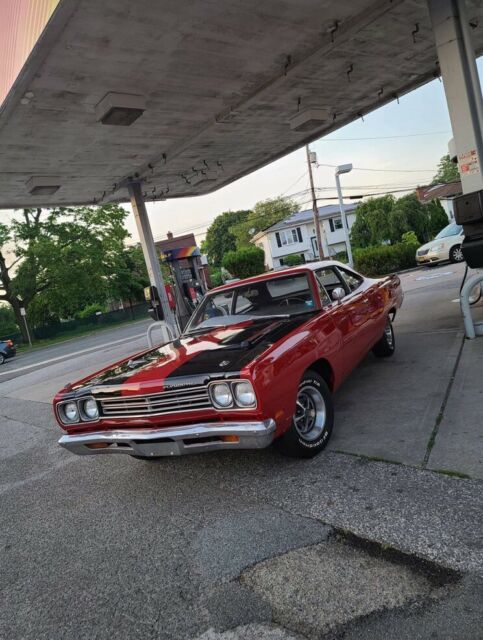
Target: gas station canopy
{"points": [[189, 96]]}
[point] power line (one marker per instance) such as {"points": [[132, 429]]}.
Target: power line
{"points": [[407, 135], [334, 166], [296, 182]]}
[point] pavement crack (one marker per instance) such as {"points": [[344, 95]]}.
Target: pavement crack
{"points": [[439, 417]]}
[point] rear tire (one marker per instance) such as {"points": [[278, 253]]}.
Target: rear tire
{"points": [[2, 358], [456, 254], [387, 344], [313, 420]]}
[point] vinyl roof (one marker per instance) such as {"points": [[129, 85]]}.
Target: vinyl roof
{"points": [[221, 81]]}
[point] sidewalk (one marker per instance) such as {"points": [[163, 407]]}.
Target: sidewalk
{"points": [[421, 407], [458, 443]]}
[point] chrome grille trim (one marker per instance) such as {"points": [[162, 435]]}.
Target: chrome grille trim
{"points": [[165, 402]]}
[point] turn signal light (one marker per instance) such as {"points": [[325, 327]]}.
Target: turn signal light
{"points": [[230, 438], [98, 445]]}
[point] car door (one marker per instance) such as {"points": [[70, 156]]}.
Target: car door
{"points": [[365, 308], [348, 314]]}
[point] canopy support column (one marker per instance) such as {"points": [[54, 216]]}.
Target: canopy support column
{"points": [[457, 61], [150, 252]]}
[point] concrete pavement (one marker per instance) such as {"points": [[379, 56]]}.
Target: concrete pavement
{"points": [[111, 547]]}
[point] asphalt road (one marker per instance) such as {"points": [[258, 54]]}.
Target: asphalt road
{"points": [[249, 544]]}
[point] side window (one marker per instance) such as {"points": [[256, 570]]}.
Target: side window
{"points": [[218, 305], [352, 280], [329, 280]]}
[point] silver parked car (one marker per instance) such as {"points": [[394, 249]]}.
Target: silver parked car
{"points": [[445, 246]]}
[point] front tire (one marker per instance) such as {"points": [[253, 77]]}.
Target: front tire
{"points": [[456, 254], [387, 344], [2, 358], [313, 419]]}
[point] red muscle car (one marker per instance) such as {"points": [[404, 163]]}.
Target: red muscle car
{"points": [[258, 362]]}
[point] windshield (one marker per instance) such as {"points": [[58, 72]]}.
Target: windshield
{"points": [[278, 297], [452, 229]]}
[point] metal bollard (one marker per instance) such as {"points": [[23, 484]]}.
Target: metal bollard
{"points": [[167, 333], [472, 329]]}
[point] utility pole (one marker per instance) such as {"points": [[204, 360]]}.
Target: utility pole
{"points": [[315, 209]]}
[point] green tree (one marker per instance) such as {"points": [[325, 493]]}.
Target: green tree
{"points": [[246, 262], [371, 226], [264, 215], [408, 214], [447, 171], [437, 217], [219, 239], [130, 275], [7, 321], [63, 258]]}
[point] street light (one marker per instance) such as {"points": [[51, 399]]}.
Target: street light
{"points": [[344, 168]]}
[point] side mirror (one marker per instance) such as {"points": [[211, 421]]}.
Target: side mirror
{"points": [[338, 293]]}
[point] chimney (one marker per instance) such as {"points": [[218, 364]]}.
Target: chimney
{"points": [[420, 193], [170, 235]]}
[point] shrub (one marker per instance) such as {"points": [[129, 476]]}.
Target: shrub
{"points": [[215, 277], [410, 238], [293, 260], [377, 261], [90, 310], [246, 262]]}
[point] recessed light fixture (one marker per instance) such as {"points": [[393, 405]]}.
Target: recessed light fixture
{"points": [[120, 109], [309, 119], [43, 185]]}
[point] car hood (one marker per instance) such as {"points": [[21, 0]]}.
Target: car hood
{"points": [[190, 359], [434, 243]]}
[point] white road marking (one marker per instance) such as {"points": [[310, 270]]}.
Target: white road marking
{"points": [[436, 275], [70, 355]]}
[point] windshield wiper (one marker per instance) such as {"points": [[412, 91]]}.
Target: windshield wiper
{"points": [[201, 330], [278, 316]]}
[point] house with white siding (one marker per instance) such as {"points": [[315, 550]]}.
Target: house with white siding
{"points": [[296, 235]]}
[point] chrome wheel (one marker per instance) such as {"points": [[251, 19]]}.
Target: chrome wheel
{"points": [[310, 413], [389, 335], [457, 254]]}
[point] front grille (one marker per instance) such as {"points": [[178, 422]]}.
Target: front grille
{"points": [[157, 404], [423, 252]]}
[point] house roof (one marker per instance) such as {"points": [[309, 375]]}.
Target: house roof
{"points": [[221, 82], [432, 191], [301, 217]]}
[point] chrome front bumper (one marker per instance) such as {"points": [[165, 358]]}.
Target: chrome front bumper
{"points": [[173, 441]]}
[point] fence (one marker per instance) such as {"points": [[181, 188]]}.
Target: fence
{"points": [[53, 330]]}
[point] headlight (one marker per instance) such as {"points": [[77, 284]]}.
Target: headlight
{"points": [[70, 411], [90, 409], [244, 394], [221, 394], [437, 247]]}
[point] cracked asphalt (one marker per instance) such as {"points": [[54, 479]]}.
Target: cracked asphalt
{"points": [[250, 545]]}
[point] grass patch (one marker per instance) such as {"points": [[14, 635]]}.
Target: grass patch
{"points": [[71, 335]]}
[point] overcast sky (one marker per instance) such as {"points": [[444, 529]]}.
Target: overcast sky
{"points": [[423, 111]]}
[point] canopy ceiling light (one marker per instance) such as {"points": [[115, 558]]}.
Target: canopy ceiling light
{"points": [[120, 109], [309, 119], [43, 185]]}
